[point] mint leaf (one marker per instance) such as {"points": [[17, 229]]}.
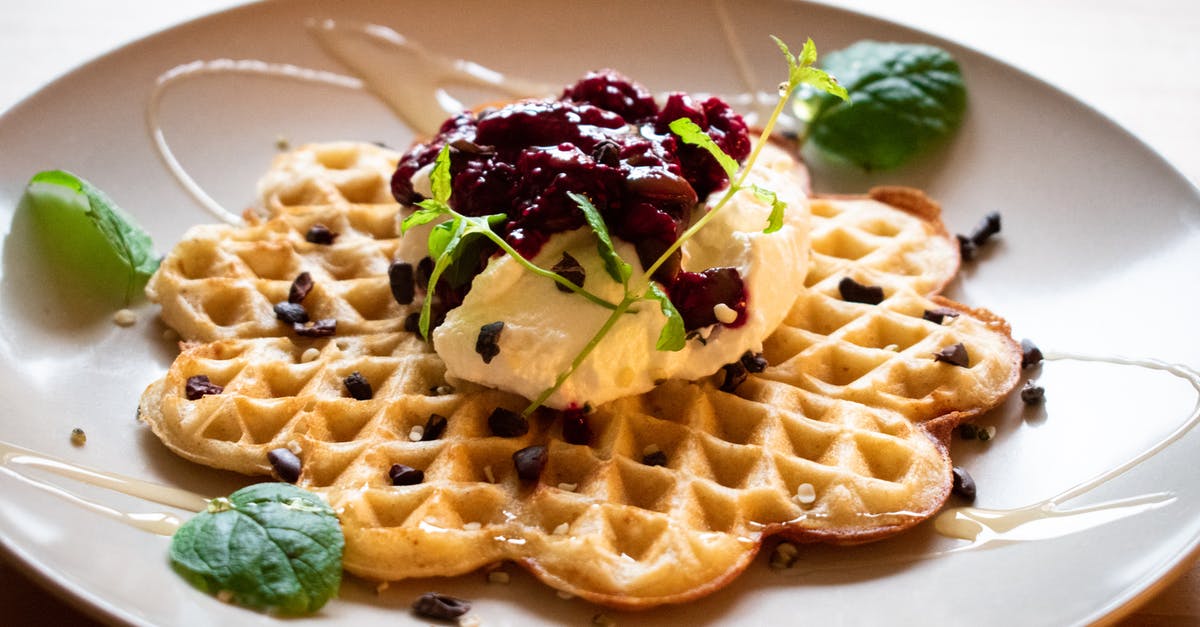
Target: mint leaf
{"points": [[903, 99], [616, 267], [673, 336], [802, 72], [775, 219], [272, 546], [439, 178], [443, 241], [429, 211], [91, 232], [691, 133]]}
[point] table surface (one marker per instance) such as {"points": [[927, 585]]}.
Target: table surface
{"points": [[1137, 62]]}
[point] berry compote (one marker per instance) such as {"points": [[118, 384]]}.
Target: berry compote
{"points": [[605, 138]]}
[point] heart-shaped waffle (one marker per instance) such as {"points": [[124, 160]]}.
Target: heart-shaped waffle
{"points": [[841, 439]]}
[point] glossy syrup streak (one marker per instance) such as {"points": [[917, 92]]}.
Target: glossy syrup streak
{"points": [[377, 54]]}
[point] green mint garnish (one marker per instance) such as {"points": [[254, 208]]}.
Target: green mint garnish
{"points": [[903, 99], [691, 133], [89, 234], [673, 335], [775, 219], [271, 547], [616, 267]]}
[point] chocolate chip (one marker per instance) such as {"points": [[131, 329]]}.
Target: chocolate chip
{"points": [[575, 428], [424, 270], [405, 475], [434, 428], [570, 270], [735, 375], [854, 292], [320, 234], [440, 606], [1031, 355], [754, 362], [291, 313], [939, 315], [402, 278], [955, 355], [507, 423], [321, 328], [963, 485], [966, 248], [358, 387], [286, 464], [1033, 394], [488, 342], [989, 226], [199, 385], [412, 322], [606, 152], [301, 286], [530, 461], [657, 458], [968, 431]]}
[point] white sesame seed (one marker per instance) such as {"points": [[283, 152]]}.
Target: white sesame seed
{"points": [[724, 313], [650, 449], [784, 556], [568, 487], [498, 576], [125, 317], [472, 526], [487, 472], [892, 347], [383, 585], [706, 331], [310, 354], [991, 431], [563, 594], [805, 494], [443, 390], [416, 433], [561, 530]]}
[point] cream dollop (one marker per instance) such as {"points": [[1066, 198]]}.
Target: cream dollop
{"points": [[545, 328]]}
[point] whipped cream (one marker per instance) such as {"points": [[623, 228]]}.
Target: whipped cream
{"points": [[545, 328]]}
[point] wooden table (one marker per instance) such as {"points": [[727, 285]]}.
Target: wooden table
{"points": [[1137, 62]]}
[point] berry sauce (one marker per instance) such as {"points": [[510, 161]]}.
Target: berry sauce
{"points": [[605, 138]]}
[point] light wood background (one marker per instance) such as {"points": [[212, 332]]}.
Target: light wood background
{"points": [[1136, 61]]}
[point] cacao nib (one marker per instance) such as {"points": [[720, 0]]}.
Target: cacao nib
{"points": [[440, 606], [358, 387], [507, 423], [1031, 355], [575, 428], [320, 234], [301, 286], [405, 475], [199, 385], [964, 484], [434, 428], [325, 327], [530, 461], [955, 355], [402, 279], [488, 342], [291, 313], [286, 464], [568, 267], [854, 292]]}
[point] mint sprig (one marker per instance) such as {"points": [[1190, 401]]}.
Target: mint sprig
{"points": [[614, 265], [270, 546]]}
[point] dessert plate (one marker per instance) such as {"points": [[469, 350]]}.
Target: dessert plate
{"points": [[1099, 236]]}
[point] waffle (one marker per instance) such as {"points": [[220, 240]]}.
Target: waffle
{"points": [[334, 173], [842, 439]]}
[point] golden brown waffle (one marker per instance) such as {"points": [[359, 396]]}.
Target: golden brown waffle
{"points": [[334, 173], [841, 439]]}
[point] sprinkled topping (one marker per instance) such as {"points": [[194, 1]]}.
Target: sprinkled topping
{"points": [[442, 390], [1033, 394], [561, 529], [424, 270], [487, 472], [955, 355], [434, 428], [564, 595], [724, 313], [966, 248], [286, 464], [125, 317], [989, 226], [570, 270], [358, 387], [575, 428], [325, 327], [402, 278], [657, 458], [199, 385], [1031, 355], [735, 375], [854, 292], [530, 461], [937, 316], [968, 431], [291, 313], [507, 423], [78, 437], [488, 342], [416, 433], [964, 485], [301, 286], [568, 487], [986, 433], [405, 475], [310, 354], [383, 585], [440, 606], [320, 234], [754, 362], [806, 494]]}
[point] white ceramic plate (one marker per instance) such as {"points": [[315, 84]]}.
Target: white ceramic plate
{"points": [[1098, 255]]}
